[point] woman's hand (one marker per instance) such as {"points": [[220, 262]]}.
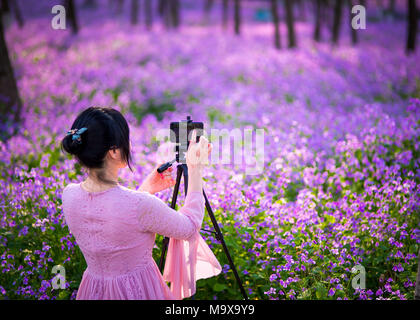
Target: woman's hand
{"points": [[198, 153], [197, 157], [156, 181]]}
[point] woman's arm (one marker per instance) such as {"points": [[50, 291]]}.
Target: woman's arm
{"points": [[157, 217]]}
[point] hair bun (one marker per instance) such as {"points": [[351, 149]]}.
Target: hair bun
{"points": [[71, 146], [93, 132]]}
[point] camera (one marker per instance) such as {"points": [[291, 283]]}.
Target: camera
{"points": [[180, 134]]}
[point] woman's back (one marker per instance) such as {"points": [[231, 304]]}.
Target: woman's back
{"points": [[106, 228], [115, 230]]}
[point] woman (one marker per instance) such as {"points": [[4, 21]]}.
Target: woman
{"points": [[115, 226]]}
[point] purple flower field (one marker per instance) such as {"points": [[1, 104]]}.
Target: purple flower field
{"points": [[341, 180]]}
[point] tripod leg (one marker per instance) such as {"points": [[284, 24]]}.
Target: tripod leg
{"points": [[165, 242], [185, 171], [219, 236]]}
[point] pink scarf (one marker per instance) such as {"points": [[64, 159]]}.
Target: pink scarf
{"points": [[187, 262]]}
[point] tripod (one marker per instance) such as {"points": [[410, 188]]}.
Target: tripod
{"points": [[182, 170]]}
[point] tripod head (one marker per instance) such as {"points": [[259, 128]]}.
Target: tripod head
{"points": [[179, 134]]}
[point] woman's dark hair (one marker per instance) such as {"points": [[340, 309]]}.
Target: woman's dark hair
{"points": [[106, 129]]}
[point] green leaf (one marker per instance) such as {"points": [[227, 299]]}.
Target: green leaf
{"points": [[219, 287], [63, 295], [321, 291]]}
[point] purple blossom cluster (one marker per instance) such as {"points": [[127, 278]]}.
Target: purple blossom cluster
{"points": [[340, 185]]}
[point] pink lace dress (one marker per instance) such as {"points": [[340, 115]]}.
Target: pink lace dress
{"points": [[115, 230]]}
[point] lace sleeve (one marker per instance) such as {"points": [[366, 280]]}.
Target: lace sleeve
{"points": [[156, 216]]}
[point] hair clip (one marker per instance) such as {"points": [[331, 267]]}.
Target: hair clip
{"points": [[76, 134]]}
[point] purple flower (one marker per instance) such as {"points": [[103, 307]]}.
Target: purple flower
{"points": [[398, 268], [226, 268]]}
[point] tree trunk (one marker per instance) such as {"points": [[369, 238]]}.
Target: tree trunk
{"points": [[354, 38], [318, 19], [327, 13], [134, 11], [391, 7], [411, 26], [208, 5], [237, 16], [337, 21], [5, 6], [89, 4], [18, 15], [301, 6], [10, 103], [174, 11], [161, 7], [120, 5], [225, 13], [148, 13], [275, 14], [71, 15], [290, 21]]}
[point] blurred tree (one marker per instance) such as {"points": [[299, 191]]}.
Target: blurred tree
{"points": [[5, 8], [237, 16], [10, 103], [275, 14], [302, 9], [148, 13], [225, 13], [169, 10], [208, 5], [134, 12], [161, 7], [354, 38], [16, 10], [89, 4], [337, 21], [391, 6], [174, 10], [412, 20], [319, 7], [120, 6], [290, 21], [71, 15], [11, 6], [328, 14]]}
